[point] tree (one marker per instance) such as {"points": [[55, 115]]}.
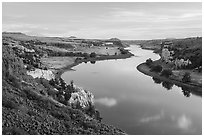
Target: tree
{"points": [[156, 80], [93, 55], [93, 62], [72, 84], [157, 68], [167, 85], [186, 77], [166, 72], [149, 62]]}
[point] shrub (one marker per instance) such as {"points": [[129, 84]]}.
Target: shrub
{"points": [[166, 72], [186, 77], [167, 85], [93, 62], [9, 104], [123, 51], [60, 115], [14, 80], [86, 55], [31, 94], [14, 131], [157, 68], [149, 62], [93, 55], [156, 80], [32, 113]]}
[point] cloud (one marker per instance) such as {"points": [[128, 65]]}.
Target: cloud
{"points": [[152, 118], [184, 123], [109, 102]]}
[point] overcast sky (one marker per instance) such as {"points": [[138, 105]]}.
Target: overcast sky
{"points": [[104, 20]]}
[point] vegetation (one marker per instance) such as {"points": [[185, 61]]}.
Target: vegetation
{"points": [[166, 72], [123, 51], [32, 106], [93, 55], [187, 77], [149, 62], [167, 85], [156, 80], [156, 68]]}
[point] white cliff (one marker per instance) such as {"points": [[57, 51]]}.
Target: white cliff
{"points": [[81, 98], [39, 73]]}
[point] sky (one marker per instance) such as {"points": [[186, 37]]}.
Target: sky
{"points": [[133, 20]]}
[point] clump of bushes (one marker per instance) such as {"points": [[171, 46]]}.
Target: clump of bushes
{"points": [[156, 68], [156, 80], [14, 131], [78, 59], [149, 62], [9, 104], [166, 73], [167, 85], [60, 115], [186, 77], [93, 55], [123, 51]]}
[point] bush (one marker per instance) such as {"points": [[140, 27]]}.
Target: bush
{"points": [[149, 62], [93, 62], [31, 94], [167, 85], [86, 55], [9, 104], [156, 80], [166, 72], [60, 115], [186, 77], [93, 55], [123, 51], [157, 68], [14, 131]]}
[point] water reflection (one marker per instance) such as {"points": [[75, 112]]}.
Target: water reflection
{"points": [[152, 118], [168, 85], [130, 100], [186, 92], [184, 123], [109, 102], [93, 62]]}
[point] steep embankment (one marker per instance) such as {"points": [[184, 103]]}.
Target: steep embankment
{"points": [[28, 108]]}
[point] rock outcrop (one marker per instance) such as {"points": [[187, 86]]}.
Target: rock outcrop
{"points": [[81, 98], [40, 73]]}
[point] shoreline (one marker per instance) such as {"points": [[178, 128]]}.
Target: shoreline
{"points": [[59, 72], [143, 68]]}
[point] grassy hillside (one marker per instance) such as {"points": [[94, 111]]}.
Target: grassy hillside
{"points": [[31, 106]]}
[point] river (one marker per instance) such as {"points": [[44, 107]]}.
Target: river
{"points": [[134, 102]]}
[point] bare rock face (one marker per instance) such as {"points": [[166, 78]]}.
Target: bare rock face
{"points": [[81, 98], [39, 73]]}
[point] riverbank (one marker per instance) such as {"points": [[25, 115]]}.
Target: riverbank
{"points": [[69, 62], [146, 70], [36, 106]]}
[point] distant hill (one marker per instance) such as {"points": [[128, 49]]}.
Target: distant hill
{"points": [[72, 37], [114, 39]]}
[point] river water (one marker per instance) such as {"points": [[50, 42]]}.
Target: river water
{"points": [[134, 102]]}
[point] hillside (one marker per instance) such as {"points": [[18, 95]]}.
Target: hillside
{"points": [[38, 105]]}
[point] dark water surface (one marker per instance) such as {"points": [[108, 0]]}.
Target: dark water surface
{"points": [[133, 101]]}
